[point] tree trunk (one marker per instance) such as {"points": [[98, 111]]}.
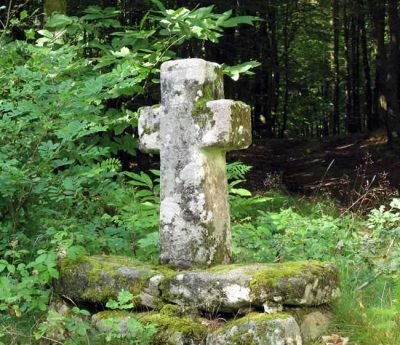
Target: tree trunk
{"points": [[51, 6], [377, 11], [392, 78], [335, 126], [286, 73], [349, 83], [367, 71]]}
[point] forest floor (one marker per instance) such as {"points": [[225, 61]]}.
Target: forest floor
{"points": [[342, 167]]}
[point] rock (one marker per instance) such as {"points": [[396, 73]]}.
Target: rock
{"points": [[101, 321], [315, 324], [254, 328], [268, 286], [335, 339], [258, 329], [97, 279], [176, 330]]}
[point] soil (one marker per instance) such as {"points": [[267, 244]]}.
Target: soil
{"points": [[308, 166]]}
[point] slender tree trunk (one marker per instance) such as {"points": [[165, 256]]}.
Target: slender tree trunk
{"points": [[275, 71], [51, 6], [355, 121], [392, 78], [336, 69], [377, 11], [286, 73], [367, 71], [349, 90]]}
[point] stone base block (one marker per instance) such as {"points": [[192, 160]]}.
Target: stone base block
{"points": [[254, 329], [226, 288]]}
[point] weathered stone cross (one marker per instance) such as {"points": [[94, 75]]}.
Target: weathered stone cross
{"points": [[192, 129]]}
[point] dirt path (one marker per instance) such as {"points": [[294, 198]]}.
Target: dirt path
{"points": [[306, 166]]}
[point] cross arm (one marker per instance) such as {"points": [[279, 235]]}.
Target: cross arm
{"points": [[228, 125], [149, 129]]}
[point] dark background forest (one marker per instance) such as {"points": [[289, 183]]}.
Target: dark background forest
{"points": [[328, 67]]}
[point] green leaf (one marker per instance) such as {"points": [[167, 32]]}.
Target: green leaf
{"points": [[11, 268], [243, 68], [23, 14], [240, 191], [159, 5], [58, 20], [223, 17], [232, 22]]}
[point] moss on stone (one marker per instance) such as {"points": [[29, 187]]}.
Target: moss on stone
{"points": [[211, 90], [253, 317], [168, 326], [240, 119], [170, 310], [113, 314], [96, 278], [272, 277]]}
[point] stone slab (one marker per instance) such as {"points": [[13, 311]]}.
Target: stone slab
{"points": [[96, 279], [268, 286], [254, 328], [222, 288], [258, 329]]}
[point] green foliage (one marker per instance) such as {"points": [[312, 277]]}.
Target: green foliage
{"points": [[124, 301], [65, 328], [132, 332], [243, 68]]}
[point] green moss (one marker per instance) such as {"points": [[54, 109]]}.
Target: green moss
{"points": [[113, 314], [171, 310], [168, 325], [240, 118], [96, 279], [211, 90], [269, 278], [253, 317], [149, 130]]}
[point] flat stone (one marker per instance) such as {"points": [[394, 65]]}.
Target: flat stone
{"points": [[222, 288], [97, 279], [258, 329], [171, 329], [268, 286], [314, 325], [254, 328]]}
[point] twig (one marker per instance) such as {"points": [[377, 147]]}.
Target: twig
{"points": [[326, 173], [360, 198], [7, 20], [370, 281], [377, 275]]}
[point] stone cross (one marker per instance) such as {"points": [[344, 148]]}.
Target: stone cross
{"points": [[192, 129]]}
